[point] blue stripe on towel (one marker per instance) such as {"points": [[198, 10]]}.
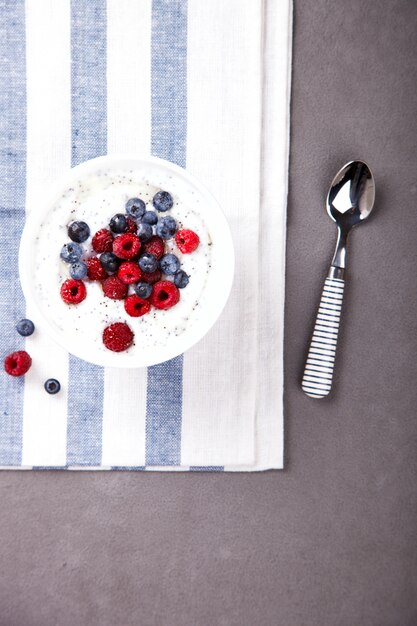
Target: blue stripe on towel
{"points": [[12, 216], [89, 139], [207, 468], [169, 136]]}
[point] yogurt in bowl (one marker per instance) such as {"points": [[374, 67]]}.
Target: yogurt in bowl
{"points": [[94, 192]]}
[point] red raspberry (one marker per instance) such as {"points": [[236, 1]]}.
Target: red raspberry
{"points": [[17, 363], [117, 337], [102, 241], [155, 246], [132, 227], [164, 295], [152, 277], [114, 288], [136, 307], [73, 291], [187, 241], [129, 273], [126, 246], [95, 270]]}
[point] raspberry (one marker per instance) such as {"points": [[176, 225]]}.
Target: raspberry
{"points": [[136, 307], [165, 295], [155, 246], [129, 273], [126, 246], [102, 241], [132, 227], [95, 270], [17, 363], [152, 277], [187, 241], [117, 337], [114, 288], [73, 291]]}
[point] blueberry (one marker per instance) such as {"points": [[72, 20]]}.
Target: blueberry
{"points": [[150, 217], [166, 227], [143, 290], [181, 279], [169, 264], [71, 252], [135, 207], [109, 262], [144, 232], [78, 232], [25, 327], [148, 263], [78, 270], [118, 223], [162, 201], [52, 386]]}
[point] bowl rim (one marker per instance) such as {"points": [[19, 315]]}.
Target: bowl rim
{"points": [[158, 354]]}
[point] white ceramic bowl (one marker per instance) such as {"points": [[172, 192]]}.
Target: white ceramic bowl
{"points": [[41, 283]]}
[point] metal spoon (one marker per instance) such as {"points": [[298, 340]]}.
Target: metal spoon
{"points": [[349, 201]]}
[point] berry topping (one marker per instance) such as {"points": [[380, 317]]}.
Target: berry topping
{"points": [[155, 246], [144, 231], [25, 327], [135, 207], [78, 232], [150, 217], [143, 290], [164, 295], [162, 201], [71, 252], [187, 241], [118, 223], [52, 386], [148, 263], [166, 227], [17, 363], [78, 270], [126, 246], [152, 278], [73, 291], [110, 262], [132, 227], [136, 307], [181, 279], [117, 337], [103, 241], [129, 273], [169, 264], [95, 270], [114, 288]]}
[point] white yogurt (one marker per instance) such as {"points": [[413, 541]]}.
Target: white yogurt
{"points": [[94, 198]]}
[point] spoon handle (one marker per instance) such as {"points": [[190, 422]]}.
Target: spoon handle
{"points": [[318, 372]]}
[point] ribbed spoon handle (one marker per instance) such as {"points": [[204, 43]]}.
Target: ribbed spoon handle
{"points": [[318, 373]]}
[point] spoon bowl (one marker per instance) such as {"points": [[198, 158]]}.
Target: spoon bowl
{"points": [[351, 195], [350, 200]]}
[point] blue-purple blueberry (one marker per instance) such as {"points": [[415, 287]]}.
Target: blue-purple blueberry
{"points": [[135, 207], [71, 252], [169, 264], [162, 201]]}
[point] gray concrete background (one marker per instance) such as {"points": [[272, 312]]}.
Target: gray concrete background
{"points": [[332, 540]]}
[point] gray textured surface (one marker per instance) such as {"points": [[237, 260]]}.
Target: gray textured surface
{"points": [[331, 541]]}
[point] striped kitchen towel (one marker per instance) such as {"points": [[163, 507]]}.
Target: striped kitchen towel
{"points": [[204, 84]]}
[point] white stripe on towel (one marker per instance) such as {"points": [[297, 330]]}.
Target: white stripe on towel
{"points": [[218, 420], [128, 124], [48, 157]]}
